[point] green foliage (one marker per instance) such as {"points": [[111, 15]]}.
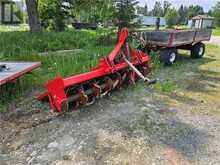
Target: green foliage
{"points": [[145, 10], [24, 43], [216, 31], [209, 13], [106, 38], [53, 13], [142, 10], [157, 9], [155, 57], [94, 11], [165, 86], [216, 11], [166, 7], [172, 17], [19, 13], [125, 12], [160, 10], [194, 11], [183, 15], [186, 13]]}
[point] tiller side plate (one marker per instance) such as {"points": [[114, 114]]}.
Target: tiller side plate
{"points": [[111, 73]]}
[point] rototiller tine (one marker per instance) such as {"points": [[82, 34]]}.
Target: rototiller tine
{"points": [[123, 65]]}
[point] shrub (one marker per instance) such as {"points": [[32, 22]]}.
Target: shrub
{"points": [[52, 14]]}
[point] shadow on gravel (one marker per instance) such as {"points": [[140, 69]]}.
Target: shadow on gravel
{"points": [[190, 64], [164, 128], [186, 58], [202, 80], [156, 124], [128, 127], [124, 141], [205, 81]]}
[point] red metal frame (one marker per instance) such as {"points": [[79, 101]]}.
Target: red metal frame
{"points": [[56, 88]]}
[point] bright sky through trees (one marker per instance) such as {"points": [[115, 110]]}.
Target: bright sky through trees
{"points": [[206, 4]]}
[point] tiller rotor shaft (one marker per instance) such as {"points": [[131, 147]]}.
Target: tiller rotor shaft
{"points": [[123, 65]]}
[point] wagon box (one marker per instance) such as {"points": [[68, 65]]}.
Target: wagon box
{"points": [[174, 38], [168, 41]]}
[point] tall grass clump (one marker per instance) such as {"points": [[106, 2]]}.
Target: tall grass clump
{"points": [[155, 57], [21, 43], [166, 86]]}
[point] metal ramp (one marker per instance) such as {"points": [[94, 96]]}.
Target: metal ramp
{"points": [[10, 71]]}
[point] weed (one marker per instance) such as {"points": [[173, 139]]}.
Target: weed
{"points": [[165, 86], [155, 58]]}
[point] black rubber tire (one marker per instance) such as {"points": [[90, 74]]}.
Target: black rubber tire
{"points": [[166, 56], [196, 50]]}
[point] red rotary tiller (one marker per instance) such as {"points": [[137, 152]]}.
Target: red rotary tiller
{"points": [[123, 65]]}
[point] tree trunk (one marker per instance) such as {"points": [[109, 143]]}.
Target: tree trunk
{"points": [[33, 16]]}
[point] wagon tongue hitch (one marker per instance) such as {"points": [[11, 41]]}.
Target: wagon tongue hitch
{"points": [[123, 66]]}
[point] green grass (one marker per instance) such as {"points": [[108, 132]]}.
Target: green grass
{"points": [[216, 31], [26, 46], [165, 86]]}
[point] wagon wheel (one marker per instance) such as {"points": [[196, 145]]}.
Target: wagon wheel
{"points": [[198, 50], [168, 56]]}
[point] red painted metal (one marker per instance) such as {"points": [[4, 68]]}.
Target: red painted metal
{"points": [[170, 43], [56, 88]]}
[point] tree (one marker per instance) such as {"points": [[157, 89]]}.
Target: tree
{"points": [[125, 13], [145, 10], [166, 6], [216, 13], [209, 13], [157, 9], [142, 10], [99, 10], [94, 11], [53, 13], [182, 14], [139, 9], [194, 10], [105, 9], [172, 17], [33, 15]]}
